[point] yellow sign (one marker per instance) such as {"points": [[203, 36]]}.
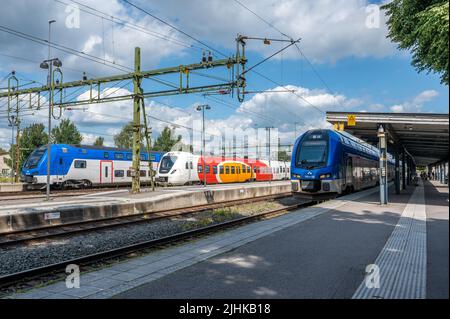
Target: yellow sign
{"points": [[351, 120], [338, 126]]}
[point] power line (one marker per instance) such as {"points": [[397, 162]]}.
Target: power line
{"points": [[105, 16], [262, 19], [64, 49], [301, 52], [175, 28]]}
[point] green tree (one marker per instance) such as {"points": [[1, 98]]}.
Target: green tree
{"points": [[66, 133], [166, 141], [124, 139], [283, 156], [99, 141], [31, 138], [422, 27]]}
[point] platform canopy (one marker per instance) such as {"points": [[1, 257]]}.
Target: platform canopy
{"points": [[423, 135]]}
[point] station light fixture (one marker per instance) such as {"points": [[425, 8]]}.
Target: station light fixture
{"points": [[57, 63], [44, 65]]}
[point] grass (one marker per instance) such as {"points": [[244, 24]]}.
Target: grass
{"points": [[5, 179]]}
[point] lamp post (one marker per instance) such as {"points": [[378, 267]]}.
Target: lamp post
{"points": [[383, 163], [13, 123], [48, 65], [202, 109]]}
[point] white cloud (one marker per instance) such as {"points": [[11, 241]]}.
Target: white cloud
{"points": [[330, 29], [415, 105]]}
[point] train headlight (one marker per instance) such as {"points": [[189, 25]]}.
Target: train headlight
{"points": [[323, 176]]}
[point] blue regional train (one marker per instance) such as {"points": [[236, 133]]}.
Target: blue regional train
{"points": [[334, 162], [84, 166]]}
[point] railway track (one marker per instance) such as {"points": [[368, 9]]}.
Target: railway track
{"points": [[53, 271], [34, 194], [52, 231]]}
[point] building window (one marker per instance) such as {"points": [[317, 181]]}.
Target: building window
{"points": [[80, 164], [119, 173], [118, 156]]}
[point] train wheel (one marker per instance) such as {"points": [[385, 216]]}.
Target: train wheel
{"points": [[87, 184]]}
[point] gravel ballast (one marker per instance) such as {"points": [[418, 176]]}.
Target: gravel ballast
{"points": [[44, 252]]}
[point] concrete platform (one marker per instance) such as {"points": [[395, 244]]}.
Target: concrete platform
{"points": [[32, 213], [8, 187], [317, 252]]}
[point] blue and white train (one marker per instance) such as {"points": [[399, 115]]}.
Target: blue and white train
{"points": [[334, 162], [84, 166]]}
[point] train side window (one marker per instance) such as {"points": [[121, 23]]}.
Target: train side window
{"points": [[227, 169], [129, 157], [254, 169], [106, 171], [238, 170], [191, 165], [143, 173], [248, 169], [215, 169], [187, 165], [233, 170], [105, 155], [207, 169], [118, 156], [200, 168], [243, 168], [60, 161], [119, 173], [80, 164], [128, 173], [221, 170]]}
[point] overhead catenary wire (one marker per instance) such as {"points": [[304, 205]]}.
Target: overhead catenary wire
{"points": [[175, 28], [140, 28], [298, 48]]}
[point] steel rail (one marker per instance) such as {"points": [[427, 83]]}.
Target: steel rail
{"points": [[50, 231], [10, 279]]}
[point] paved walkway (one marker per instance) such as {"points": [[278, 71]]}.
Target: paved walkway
{"points": [[318, 252]]}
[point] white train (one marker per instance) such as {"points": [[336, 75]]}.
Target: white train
{"points": [[183, 168]]}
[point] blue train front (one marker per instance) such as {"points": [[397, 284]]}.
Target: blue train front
{"points": [[328, 161], [84, 166]]}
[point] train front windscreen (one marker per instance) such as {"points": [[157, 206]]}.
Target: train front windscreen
{"points": [[34, 158], [167, 163], [313, 151]]}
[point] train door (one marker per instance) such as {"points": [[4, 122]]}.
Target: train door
{"points": [[349, 172], [60, 169], [106, 172]]}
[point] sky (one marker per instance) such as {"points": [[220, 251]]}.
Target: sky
{"points": [[344, 62]]}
